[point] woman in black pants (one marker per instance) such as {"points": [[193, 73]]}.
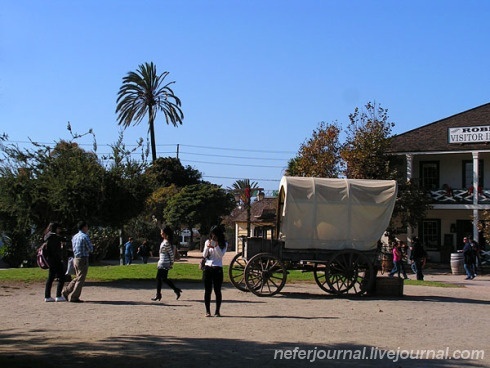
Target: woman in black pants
{"points": [[214, 250], [55, 258], [165, 263]]}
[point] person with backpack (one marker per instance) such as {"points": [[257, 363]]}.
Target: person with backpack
{"points": [[55, 250]]}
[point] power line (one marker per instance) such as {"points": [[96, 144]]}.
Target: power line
{"points": [[234, 178], [196, 154], [234, 164], [165, 145], [237, 149], [227, 156]]}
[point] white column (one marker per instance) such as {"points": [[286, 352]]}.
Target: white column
{"points": [[409, 166], [409, 159], [475, 195]]}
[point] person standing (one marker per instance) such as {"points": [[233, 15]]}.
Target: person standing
{"points": [[418, 257], [476, 256], [468, 256], [214, 250], [144, 251], [55, 248], [398, 261], [165, 263], [82, 247], [128, 251]]}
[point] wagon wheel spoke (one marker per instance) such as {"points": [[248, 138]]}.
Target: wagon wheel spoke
{"points": [[265, 275], [236, 272], [350, 272], [320, 275]]}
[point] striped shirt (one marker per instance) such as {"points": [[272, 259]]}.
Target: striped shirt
{"points": [[166, 255], [82, 246]]}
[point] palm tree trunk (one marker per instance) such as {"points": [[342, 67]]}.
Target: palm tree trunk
{"points": [[152, 134]]}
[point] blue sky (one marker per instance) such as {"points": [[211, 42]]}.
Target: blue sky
{"points": [[255, 77]]}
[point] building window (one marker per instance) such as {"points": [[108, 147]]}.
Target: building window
{"points": [[431, 233], [468, 173], [429, 174]]}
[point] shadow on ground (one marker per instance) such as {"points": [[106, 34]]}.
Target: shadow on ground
{"points": [[156, 351]]}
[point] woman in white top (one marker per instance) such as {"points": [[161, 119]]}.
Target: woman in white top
{"points": [[165, 263], [214, 250]]}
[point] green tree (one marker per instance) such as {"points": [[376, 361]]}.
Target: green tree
{"points": [[125, 189], [66, 184], [200, 204], [157, 201], [319, 156], [16, 198], [167, 171], [411, 206], [70, 183], [144, 93]]}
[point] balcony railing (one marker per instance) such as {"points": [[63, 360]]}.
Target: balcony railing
{"points": [[459, 196]]}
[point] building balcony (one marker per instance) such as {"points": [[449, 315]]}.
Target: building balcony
{"points": [[459, 196]]}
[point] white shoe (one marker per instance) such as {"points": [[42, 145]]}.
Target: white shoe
{"points": [[60, 299], [48, 299]]}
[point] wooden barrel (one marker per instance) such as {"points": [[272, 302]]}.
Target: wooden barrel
{"points": [[457, 262]]}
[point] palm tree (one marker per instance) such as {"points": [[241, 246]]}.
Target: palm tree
{"points": [[144, 92], [243, 190]]}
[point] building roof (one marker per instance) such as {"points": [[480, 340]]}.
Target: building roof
{"points": [[260, 211], [434, 137]]}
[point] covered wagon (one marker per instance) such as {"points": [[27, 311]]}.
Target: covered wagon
{"points": [[329, 226]]}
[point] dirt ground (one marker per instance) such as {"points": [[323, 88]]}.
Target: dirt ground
{"points": [[119, 326]]}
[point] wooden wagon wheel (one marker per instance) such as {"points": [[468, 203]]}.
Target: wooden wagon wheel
{"points": [[265, 274], [320, 273], [350, 272], [236, 271]]}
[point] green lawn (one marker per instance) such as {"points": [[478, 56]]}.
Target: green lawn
{"points": [[180, 272], [183, 272]]}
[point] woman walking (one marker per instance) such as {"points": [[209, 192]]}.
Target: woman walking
{"points": [[165, 263], [214, 250], [398, 261], [55, 244]]}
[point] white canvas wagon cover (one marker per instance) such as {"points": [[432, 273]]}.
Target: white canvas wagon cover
{"points": [[334, 214]]}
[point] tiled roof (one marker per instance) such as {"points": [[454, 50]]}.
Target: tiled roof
{"points": [[433, 137], [259, 211]]}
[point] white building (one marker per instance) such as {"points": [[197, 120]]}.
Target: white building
{"points": [[450, 158]]}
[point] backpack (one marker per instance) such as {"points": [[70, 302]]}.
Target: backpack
{"points": [[42, 256]]}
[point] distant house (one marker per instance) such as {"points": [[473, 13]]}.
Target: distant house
{"points": [[450, 158], [262, 220]]}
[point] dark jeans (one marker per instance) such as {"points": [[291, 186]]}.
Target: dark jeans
{"points": [[213, 279], [55, 271], [419, 263], [162, 277]]}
